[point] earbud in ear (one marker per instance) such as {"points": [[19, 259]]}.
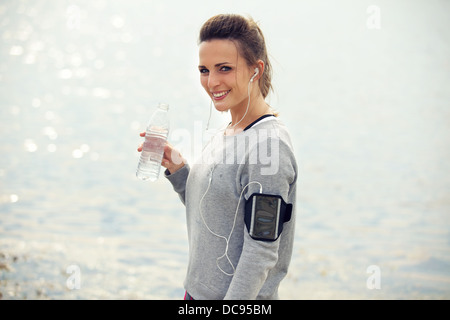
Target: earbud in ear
{"points": [[256, 73]]}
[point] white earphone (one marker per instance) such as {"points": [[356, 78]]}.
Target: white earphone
{"points": [[256, 73]]}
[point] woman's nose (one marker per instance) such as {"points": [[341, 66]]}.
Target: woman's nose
{"points": [[213, 80]]}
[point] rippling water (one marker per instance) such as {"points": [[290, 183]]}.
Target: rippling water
{"points": [[368, 110]]}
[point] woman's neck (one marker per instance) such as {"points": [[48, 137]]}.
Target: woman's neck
{"points": [[242, 118]]}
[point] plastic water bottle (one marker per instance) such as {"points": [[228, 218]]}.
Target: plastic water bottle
{"points": [[153, 149]]}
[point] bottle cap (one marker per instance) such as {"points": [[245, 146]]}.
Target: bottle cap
{"points": [[164, 106]]}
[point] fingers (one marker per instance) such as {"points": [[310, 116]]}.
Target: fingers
{"points": [[172, 159], [139, 149], [165, 163], [168, 152], [168, 149]]}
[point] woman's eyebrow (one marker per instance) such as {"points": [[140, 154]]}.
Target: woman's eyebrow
{"points": [[216, 65], [222, 63]]}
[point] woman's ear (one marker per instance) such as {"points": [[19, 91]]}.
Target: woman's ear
{"points": [[260, 66]]}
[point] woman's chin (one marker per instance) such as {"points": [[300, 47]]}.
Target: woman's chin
{"points": [[221, 106]]}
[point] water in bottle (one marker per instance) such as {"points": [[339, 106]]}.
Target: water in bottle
{"points": [[153, 149]]}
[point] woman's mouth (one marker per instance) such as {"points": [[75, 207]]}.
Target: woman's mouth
{"points": [[220, 95]]}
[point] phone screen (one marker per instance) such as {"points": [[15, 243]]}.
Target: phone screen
{"points": [[265, 217]]}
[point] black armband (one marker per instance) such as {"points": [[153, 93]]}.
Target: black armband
{"points": [[265, 215]]}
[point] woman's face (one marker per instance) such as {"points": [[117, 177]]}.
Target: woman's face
{"points": [[224, 74]]}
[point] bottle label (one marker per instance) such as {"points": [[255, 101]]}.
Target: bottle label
{"points": [[155, 145]]}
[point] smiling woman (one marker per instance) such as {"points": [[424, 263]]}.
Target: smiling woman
{"points": [[228, 259], [233, 56]]}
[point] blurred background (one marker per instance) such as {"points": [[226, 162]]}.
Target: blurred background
{"points": [[363, 86]]}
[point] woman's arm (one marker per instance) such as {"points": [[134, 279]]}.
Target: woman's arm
{"points": [[259, 257]]}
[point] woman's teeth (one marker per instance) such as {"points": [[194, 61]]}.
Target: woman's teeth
{"points": [[220, 94]]}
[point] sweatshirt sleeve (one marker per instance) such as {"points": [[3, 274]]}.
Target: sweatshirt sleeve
{"points": [[178, 181], [259, 257]]}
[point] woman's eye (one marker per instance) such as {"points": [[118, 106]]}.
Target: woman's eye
{"points": [[224, 68], [203, 70]]}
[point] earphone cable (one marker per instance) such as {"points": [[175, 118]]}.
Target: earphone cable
{"points": [[227, 239]]}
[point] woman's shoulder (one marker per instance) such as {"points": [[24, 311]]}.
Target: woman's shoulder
{"points": [[272, 127]]}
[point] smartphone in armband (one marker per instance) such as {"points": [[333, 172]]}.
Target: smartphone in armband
{"points": [[265, 215]]}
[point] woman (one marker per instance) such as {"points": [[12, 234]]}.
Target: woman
{"points": [[250, 163]]}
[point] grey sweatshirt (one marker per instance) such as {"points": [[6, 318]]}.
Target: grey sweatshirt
{"points": [[224, 261]]}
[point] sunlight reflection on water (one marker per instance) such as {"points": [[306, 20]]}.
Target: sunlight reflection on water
{"points": [[367, 109]]}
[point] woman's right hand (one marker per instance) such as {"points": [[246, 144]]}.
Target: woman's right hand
{"points": [[172, 159]]}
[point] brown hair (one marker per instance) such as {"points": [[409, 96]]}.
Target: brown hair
{"points": [[249, 40]]}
